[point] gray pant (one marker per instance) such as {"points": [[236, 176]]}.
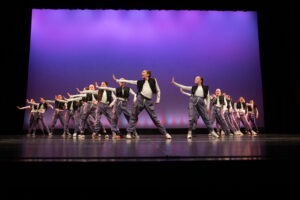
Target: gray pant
{"points": [[58, 114], [141, 104], [119, 108], [200, 107], [217, 115], [88, 117], [101, 109], [42, 123], [193, 114], [252, 121], [74, 116], [229, 121], [245, 122]]}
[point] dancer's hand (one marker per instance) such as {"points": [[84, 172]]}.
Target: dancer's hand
{"points": [[114, 77], [173, 80]]}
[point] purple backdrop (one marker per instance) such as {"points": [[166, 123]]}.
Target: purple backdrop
{"points": [[73, 48]]}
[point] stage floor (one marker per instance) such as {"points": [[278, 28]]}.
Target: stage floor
{"points": [[148, 148], [225, 163]]}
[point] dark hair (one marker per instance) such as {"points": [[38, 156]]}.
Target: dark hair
{"points": [[105, 83], [149, 72]]}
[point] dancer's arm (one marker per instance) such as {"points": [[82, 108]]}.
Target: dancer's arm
{"points": [[133, 93], [158, 92], [186, 93], [134, 82], [189, 88]]}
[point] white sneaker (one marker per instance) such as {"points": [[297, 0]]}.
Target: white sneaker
{"points": [[214, 134], [106, 136], [236, 133], [74, 134], [81, 136], [94, 134], [168, 136], [136, 135], [113, 135], [189, 135], [253, 132], [128, 136]]}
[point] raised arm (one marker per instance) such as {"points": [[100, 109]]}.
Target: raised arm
{"points": [[134, 82], [31, 103], [88, 92], [50, 101], [106, 88], [189, 88], [76, 95]]}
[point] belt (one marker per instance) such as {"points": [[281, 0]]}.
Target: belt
{"points": [[144, 96], [121, 99]]}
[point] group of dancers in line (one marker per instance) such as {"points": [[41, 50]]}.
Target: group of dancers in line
{"points": [[86, 108]]}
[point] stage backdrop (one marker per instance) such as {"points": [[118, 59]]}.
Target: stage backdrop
{"points": [[71, 49]]}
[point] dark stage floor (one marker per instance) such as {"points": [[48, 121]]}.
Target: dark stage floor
{"points": [[264, 159]]}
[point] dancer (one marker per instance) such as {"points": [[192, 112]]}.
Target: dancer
{"points": [[201, 102], [120, 106], [252, 114], [33, 116], [146, 87], [192, 111]]}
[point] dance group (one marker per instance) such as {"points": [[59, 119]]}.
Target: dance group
{"points": [[86, 107]]}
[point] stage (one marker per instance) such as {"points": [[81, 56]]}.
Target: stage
{"points": [[151, 161], [44, 148]]}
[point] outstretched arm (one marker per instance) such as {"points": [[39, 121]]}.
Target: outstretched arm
{"points": [[186, 93], [134, 82], [76, 95], [106, 88], [189, 88], [23, 108]]}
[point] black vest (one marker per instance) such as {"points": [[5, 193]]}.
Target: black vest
{"points": [[205, 90], [108, 93], [221, 99], [34, 107], [254, 108], [75, 105], [239, 105], [44, 104], [152, 84], [89, 97], [229, 102], [59, 105], [120, 94]]}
